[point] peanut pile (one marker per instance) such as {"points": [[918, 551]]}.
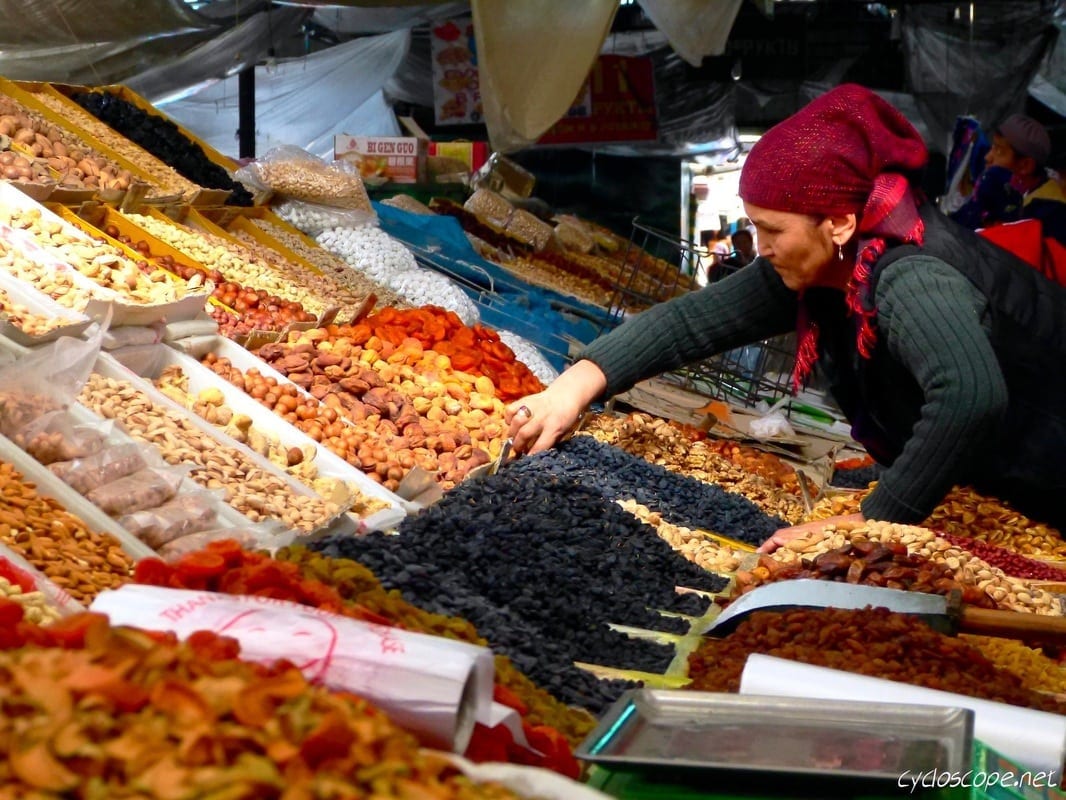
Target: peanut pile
{"points": [[210, 405], [252, 490], [669, 445], [258, 267], [35, 605], [76, 559], [314, 181]]}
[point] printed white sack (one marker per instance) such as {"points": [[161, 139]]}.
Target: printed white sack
{"points": [[435, 687]]}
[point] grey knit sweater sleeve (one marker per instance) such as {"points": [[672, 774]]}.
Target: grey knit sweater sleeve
{"points": [[745, 307], [932, 319]]}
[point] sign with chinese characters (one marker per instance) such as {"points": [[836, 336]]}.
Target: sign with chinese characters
{"points": [[456, 92], [616, 105]]}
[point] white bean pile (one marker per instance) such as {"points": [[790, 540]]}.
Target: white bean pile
{"points": [[421, 287], [313, 218], [369, 250], [526, 352]]}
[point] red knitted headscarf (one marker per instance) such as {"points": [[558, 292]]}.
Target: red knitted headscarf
{"points": [[847, 152]]}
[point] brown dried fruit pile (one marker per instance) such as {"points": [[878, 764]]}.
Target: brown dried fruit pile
{"points": [[874, 642]]}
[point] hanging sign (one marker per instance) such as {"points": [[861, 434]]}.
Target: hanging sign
{"points": [[456, 93], [617, 104]]}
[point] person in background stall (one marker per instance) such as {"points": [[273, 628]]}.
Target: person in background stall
{"points": [[1022, 145], [743, 249], [994, 199], [944, 351]]}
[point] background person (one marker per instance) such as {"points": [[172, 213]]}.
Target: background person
{"points": [[944, 351]]}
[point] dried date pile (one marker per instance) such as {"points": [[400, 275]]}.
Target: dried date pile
{"points": [[874, 642], [681, 500], [870, 563], [540, 565]]}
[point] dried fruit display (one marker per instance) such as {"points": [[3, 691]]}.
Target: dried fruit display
{"points": [[966, 568], [30, 322], [357, 584], [540, 565], [116, 712], [413, 407], [60, 285], [223, 567], [1037, 671], [242, 265], [333, 266], [869, 563], [245, 309], [1011, 563], [169, 181], [696, 546], [103, 263], [162, 138], [210, 406], [681, 500], [45, 153], [75, 558], [965, 512], [768, 482], [874, 642], [248, 487]]}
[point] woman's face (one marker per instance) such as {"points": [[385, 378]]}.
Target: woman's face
{"points": [[798, 246]]}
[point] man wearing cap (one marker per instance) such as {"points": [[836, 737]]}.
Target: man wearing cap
{"points": [[1022, 145]]}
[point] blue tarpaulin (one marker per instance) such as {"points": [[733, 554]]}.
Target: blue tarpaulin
{"points": [[550, 320]]}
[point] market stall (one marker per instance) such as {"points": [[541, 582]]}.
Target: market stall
{"points": [[231, 403]]}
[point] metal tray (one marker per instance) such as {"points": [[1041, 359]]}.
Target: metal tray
{"points": [[777, 736]]}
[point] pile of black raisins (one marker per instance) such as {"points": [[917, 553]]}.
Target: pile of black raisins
{"points": [[618, 475], [161, 137], [540, 563]]}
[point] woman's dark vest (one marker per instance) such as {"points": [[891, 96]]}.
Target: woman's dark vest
{"points": [[1027, 318]]}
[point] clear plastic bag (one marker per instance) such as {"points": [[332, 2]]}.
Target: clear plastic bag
{"points": [[108, 465], [57, 437], [145, 488], [44, 381], [270, 537], [292, 173], [182, 516]]}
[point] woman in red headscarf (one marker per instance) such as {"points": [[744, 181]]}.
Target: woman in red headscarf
{"points": [[945, 352]]}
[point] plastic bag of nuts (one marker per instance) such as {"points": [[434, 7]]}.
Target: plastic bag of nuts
{"points": [[296, 174]]}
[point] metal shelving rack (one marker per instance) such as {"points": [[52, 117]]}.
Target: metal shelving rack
{"points": [[760, 371]]}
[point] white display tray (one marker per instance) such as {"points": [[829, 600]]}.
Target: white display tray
{"points": [[122, 311], [74, 322], [328, 463], [244, 360], [340, 524]]}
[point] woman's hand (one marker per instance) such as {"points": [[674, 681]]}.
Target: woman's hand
{"points": [[538, 421], [785, 535]]}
